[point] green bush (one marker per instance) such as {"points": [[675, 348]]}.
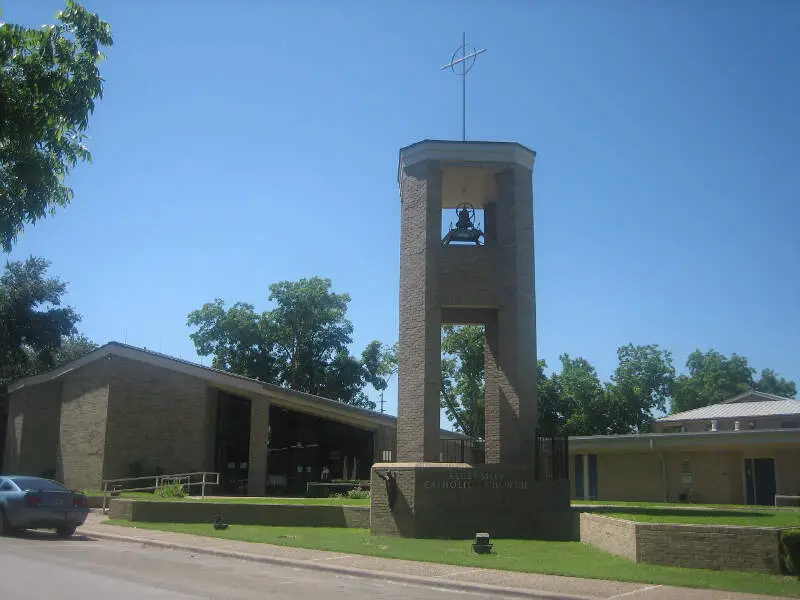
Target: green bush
{"points": [[358, 494], [790, 550], [175, 490]]}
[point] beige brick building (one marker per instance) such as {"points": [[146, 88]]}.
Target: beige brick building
{"points": [[743, 451], [122, 410]]}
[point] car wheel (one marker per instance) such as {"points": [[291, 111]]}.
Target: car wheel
{"points": [[65, 532]]}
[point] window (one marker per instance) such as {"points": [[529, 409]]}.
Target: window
{"points": [[790, 424], [36, 483], [5, 486]]}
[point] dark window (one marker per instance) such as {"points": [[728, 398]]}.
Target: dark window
{"points": [[6, 486], [790, 424], [36, 483]]}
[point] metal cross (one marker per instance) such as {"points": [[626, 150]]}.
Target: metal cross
{"points": [[464, 56]]}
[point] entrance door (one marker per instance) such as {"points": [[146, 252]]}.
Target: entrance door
{"points": [[759, 474]]}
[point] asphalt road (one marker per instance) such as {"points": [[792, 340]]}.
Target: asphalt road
{"points": [[39, 566]]}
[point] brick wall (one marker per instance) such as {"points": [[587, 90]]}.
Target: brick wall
{"points": [[419, 344], [82, 432], [690, 546], [614, 536], [436, 280], [284, 515], [440, 500], [156, 416]]}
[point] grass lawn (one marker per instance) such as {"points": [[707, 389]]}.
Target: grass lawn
{"points": [[674, 505], [754, 518], [557, 558]]}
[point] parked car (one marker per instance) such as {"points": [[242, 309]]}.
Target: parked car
{"points": [[38, 503]]}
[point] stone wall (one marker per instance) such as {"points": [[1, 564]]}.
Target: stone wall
{"points": [[615, 536], [709, 547], [285, 515], [690, 546], [441, 500]]}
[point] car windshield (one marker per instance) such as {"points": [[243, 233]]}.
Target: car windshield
{"points": [[35, 483]]}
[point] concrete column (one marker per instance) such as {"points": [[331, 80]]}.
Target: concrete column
{"points": [[586, 495], [259, 436], [419, 361]]}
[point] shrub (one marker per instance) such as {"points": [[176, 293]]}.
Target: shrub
{"points": [[358, 494], [790, 550], [174, 490]]}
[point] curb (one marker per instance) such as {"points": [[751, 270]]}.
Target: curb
{"points": [[350, 571]]}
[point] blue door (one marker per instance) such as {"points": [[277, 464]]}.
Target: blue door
{"points": [[760, 480], [578, 458]]}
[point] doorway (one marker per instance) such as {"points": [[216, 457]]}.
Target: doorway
{"points": [[759, 477], [232, 443]]}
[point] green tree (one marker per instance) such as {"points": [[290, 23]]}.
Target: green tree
{"points": [[642, 383], [33, 321], [238, 339], [35, 329], [771, 383], [302, 343], [548, 394], [712, 378], [48, 84], [582, 400], [463, 378]]}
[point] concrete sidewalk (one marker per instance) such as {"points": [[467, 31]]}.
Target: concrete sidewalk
{"points": [[467, 579]]}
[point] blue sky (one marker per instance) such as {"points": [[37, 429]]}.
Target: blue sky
{"points": [[247, 142]]}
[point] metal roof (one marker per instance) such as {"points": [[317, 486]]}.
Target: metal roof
{"points": [[738, 410]]}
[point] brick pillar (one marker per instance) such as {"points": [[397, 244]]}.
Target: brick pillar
{"points": [[419, 360], [259, 433], [510, 350]]}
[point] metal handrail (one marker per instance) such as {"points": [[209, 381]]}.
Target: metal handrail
{"points": [[206, 478]]}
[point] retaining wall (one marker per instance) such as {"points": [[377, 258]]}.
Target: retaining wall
{"points": [[694, 546], [289, 515]]}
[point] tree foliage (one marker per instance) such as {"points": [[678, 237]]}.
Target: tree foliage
{"points": [[33, 321], [302, 343], [771, 383], [574, 401], [48, 84], [713, 377], [463, 378]]}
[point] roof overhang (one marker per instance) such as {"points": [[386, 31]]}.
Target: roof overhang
{"points": [[454, 153], [252, 388], [656, 442]]}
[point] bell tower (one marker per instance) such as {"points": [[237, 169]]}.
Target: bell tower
{"points": [[471, 271], [469, 276]]}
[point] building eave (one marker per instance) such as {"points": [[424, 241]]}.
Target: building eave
{"points": [[283, 397], [654, 442]]}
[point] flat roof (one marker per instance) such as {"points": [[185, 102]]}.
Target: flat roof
{"points": [[647, 442]]}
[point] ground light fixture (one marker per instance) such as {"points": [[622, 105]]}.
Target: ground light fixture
{"points": [[482, 544]]}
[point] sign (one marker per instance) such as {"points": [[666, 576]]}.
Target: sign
{"points": [[469, 480]]}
